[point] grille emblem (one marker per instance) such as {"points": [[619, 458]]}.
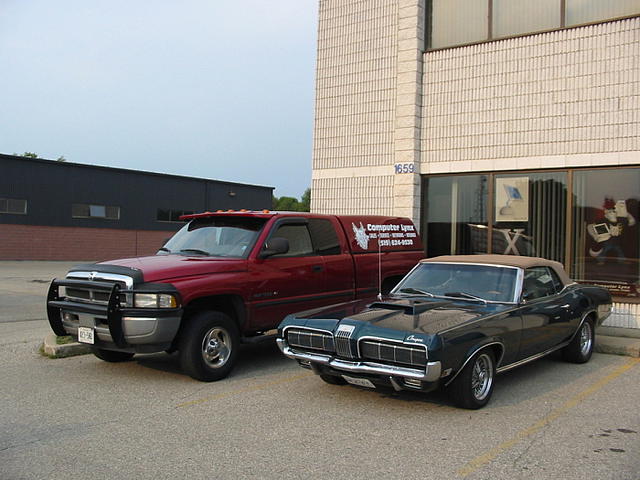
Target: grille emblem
{"points": [[93, 275], [343, 340]]}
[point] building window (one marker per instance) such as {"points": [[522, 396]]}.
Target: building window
{"points": [[168, 215], [586, 219], [453, 23], [83, 210], [13, 206], [456, 214], [605, 223]]}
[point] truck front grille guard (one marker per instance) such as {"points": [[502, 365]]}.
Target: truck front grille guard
{"points": [[55, 305]]}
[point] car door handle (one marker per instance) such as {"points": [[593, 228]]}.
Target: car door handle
{"points": [[317, 268], [566, 306]]}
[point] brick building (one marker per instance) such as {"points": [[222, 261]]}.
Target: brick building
{"points": [[67, 211], [503, 126]]}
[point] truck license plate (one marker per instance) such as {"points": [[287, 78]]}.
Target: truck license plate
{"points": [[361, 382], [85, 335]]}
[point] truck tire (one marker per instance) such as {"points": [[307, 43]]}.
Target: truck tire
{"points": [[112, 356], [208, 346]]}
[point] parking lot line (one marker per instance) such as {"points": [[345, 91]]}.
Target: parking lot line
{"points": [[238, 391], [487, 457]]}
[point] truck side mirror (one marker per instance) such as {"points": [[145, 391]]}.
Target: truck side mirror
{"points": [[275, 246]]}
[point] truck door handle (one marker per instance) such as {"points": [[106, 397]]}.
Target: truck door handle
{"points": [[316, 268]]}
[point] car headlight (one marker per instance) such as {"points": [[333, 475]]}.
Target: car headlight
{"points": [[154, 300]]}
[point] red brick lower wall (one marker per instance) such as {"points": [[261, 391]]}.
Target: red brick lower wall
{"points": [[28, 242]]}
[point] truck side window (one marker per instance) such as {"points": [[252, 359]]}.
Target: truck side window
{"points": [[299, 240], [323, 235]]}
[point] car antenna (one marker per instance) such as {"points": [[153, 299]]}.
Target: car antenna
{"points": [[379, 269]]}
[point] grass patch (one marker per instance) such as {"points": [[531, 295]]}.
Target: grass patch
{"points": [[64, 340]]}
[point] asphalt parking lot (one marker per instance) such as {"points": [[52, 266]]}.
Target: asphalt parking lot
{"points": [[82, 417]]}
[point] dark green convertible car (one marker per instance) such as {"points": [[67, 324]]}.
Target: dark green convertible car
{"points": [[452, 322]]}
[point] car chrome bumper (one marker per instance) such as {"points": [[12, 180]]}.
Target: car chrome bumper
{"points": [[430, 374]]}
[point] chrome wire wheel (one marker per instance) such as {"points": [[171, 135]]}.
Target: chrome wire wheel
{"points": [[216, 347], [586, 339], [482, 377]]}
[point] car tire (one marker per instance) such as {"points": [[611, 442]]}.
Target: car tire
{"points": [[209, 346], [473, 387], [580, 348], [333, 379], [111, 356]]}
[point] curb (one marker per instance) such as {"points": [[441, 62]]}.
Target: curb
{"points": [[53, 350], [629, 347]]}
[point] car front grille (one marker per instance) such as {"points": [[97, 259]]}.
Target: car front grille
{"points": [[311, 339], [401, 354]]}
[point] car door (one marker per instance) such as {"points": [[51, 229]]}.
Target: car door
{"points": [[288, 282], [548, 312]]}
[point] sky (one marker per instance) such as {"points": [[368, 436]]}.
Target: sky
{"points": [[217, 89]]}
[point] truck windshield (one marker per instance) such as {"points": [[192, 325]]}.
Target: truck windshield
{"points": [[215, 237]]}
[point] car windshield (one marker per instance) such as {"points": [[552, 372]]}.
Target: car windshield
{"points": [[216, 237], [469, 282]]}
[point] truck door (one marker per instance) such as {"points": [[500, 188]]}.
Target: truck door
{"points": [[288, 282]]}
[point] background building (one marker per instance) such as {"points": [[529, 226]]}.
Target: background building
{"points": [[67, 211], [503, 126]]}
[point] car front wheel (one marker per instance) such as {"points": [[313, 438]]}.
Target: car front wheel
{"points": [[473, 387], [581, 346]]}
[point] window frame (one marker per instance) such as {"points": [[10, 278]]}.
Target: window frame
{"points": [[7, 210], [428, 27]]}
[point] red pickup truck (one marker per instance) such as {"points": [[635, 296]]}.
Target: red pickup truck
{"points": [[226, 278]]}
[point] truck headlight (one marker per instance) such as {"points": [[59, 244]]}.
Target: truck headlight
{"points": [[154, 300]]}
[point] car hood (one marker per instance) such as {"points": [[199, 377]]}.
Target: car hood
{"points": [[159, 268], [416, 315]]}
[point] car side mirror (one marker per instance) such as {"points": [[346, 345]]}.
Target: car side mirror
{"points": [[275, 246]]}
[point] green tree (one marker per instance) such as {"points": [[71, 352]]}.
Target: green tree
{"points": [[291, 204]]}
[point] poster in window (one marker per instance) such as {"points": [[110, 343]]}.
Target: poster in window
{"points": [[512, 199]]}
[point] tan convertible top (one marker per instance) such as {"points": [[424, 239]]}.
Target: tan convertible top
{"points": [[507, 260]]}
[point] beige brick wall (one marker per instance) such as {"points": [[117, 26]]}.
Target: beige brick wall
{"points": [[559, 99], [355, 106]]}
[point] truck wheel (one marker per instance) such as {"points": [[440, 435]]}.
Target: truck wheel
{"points": [[209, 346], [111, 355]]}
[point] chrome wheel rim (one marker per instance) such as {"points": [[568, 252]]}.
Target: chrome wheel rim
{"points": [[586, 339], [482, 377], [216, 347]]}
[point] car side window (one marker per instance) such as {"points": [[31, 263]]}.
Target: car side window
{"points": [[299, 240], [324, 237], [539, 282]]}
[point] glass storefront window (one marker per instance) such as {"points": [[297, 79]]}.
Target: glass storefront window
{"points": [[594, 232], [456, 214], [530, 215], [605, 226]]}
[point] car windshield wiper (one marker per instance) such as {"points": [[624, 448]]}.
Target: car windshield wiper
{"points": [[194, 250], [416, 291], [164, 249], [464, 295]]}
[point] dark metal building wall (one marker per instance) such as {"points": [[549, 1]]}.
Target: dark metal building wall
{"points": [[50, 189]]}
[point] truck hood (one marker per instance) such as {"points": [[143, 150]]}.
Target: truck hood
{"points": [[422, 316], [159, 268]]}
